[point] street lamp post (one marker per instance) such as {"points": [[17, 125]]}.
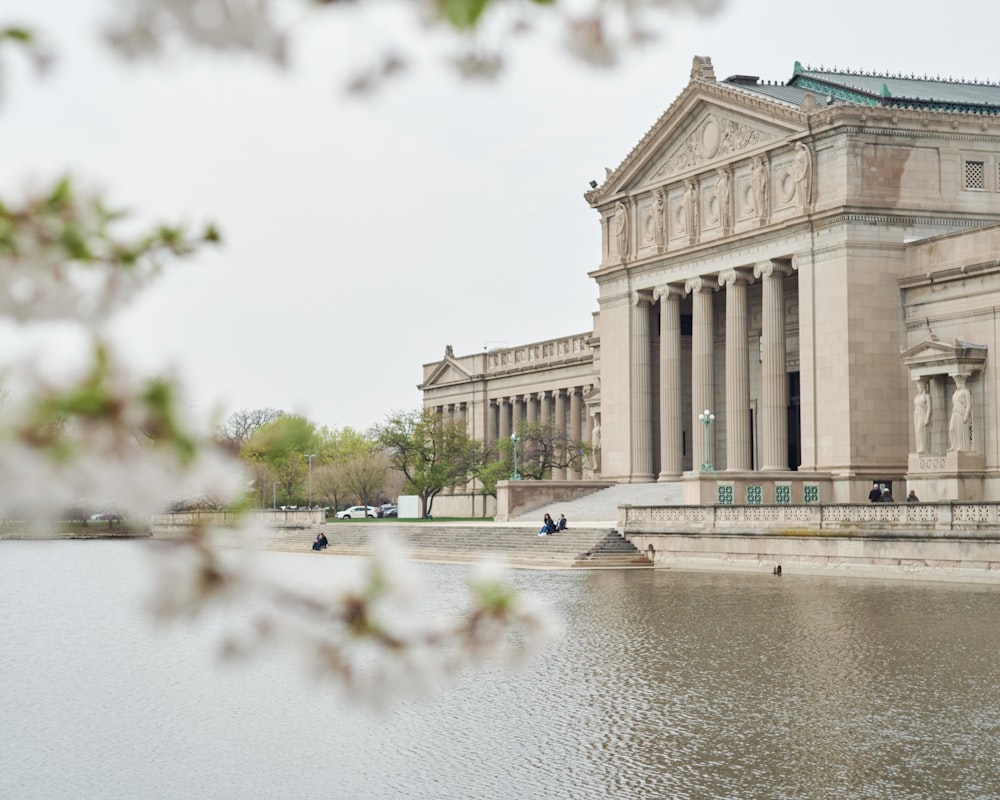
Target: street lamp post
{"points": [[274, 499], [311, 457], [514, 438], [706, 417]]}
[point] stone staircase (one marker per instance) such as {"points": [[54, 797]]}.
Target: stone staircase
{"points": [[518, 545], [613, 551]]}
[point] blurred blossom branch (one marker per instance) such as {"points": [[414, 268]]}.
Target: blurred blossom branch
{"points": [[28, 41], [369, 632], [98, 431], [481, 32], [61, 259]]}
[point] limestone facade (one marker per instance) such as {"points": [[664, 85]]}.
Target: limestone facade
{"points": [[815, 263]]}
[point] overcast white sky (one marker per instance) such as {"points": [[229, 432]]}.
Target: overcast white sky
{"points": [[362, 236]]}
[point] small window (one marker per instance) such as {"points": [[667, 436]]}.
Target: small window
{"points": [[975, 175]]}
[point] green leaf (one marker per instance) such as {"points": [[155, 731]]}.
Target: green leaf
{"points": [[462, 13]]}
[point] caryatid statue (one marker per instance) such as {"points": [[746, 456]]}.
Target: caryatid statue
{"points": [[922, 416], [961, 416]]}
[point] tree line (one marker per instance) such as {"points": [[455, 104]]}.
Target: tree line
{"points": [[293, 461]]}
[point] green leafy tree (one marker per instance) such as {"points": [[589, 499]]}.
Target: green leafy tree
{"points": [[344, 474], [433, 453], [495, 464], [284, 445]]}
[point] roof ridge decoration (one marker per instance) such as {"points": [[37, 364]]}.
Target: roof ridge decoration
{"points": [[861, 73]]}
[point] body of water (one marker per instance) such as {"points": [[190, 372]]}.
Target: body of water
{"points": [[665, 685]]}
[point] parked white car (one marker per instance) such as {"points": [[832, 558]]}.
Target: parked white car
{"points": [[359, 512]]}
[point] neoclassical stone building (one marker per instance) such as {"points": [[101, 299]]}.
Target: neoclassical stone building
{"points": [[813, 262]]}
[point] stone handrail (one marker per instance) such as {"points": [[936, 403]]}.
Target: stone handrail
{"points": [[832, 517]]}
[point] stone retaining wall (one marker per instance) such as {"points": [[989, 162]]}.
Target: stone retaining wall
{"points": [[930, 541]]}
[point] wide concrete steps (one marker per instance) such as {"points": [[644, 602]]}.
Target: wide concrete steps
{"points": [[518, 545]]}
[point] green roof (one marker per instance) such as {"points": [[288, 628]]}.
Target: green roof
{"points": [[904, 91]]}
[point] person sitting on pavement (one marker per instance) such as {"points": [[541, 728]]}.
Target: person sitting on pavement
{"points": [[548, 526], [561, 524], [321, 541]]}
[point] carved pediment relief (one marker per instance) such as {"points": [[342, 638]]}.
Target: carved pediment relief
{"points": [[702, 138], [713, 138]]}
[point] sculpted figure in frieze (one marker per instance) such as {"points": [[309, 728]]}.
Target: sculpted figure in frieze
{"points": [[803, 173], [621, 230], [759, 182], [691, 219], [724, 197], [660, 219]]}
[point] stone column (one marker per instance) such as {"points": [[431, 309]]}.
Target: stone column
{"points": [[492, 421], [702, 379], [545, 407], [560, 427], [737, 369], [517, 412], [504, 418], [774, 380], [531, 407], [575, 425], [640, 371], [671, 420]]}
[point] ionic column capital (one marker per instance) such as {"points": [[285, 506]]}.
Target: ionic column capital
{"points": [[731, 277], [668, 292], [766, 269], [697, 285], [641, 296]]}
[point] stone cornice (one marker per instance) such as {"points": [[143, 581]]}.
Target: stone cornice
{"points": [[952, 274]]}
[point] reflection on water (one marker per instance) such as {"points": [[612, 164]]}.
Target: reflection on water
{"points": [[666, 685]]}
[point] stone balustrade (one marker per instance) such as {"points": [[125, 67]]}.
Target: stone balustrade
{"points": [[965, 519]]}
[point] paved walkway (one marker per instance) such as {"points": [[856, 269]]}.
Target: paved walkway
{"points": [[601, 508]]}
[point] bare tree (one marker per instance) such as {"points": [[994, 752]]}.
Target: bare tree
{"points": [[242, 424], [366, 475], [330, 484]]}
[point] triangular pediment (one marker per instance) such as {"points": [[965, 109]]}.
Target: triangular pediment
{"points": [[933, 356], [707, 127], [448, 371]]}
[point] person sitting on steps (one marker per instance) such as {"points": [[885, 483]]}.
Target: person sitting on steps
{"points": [[561, 524], [548, 526]]}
